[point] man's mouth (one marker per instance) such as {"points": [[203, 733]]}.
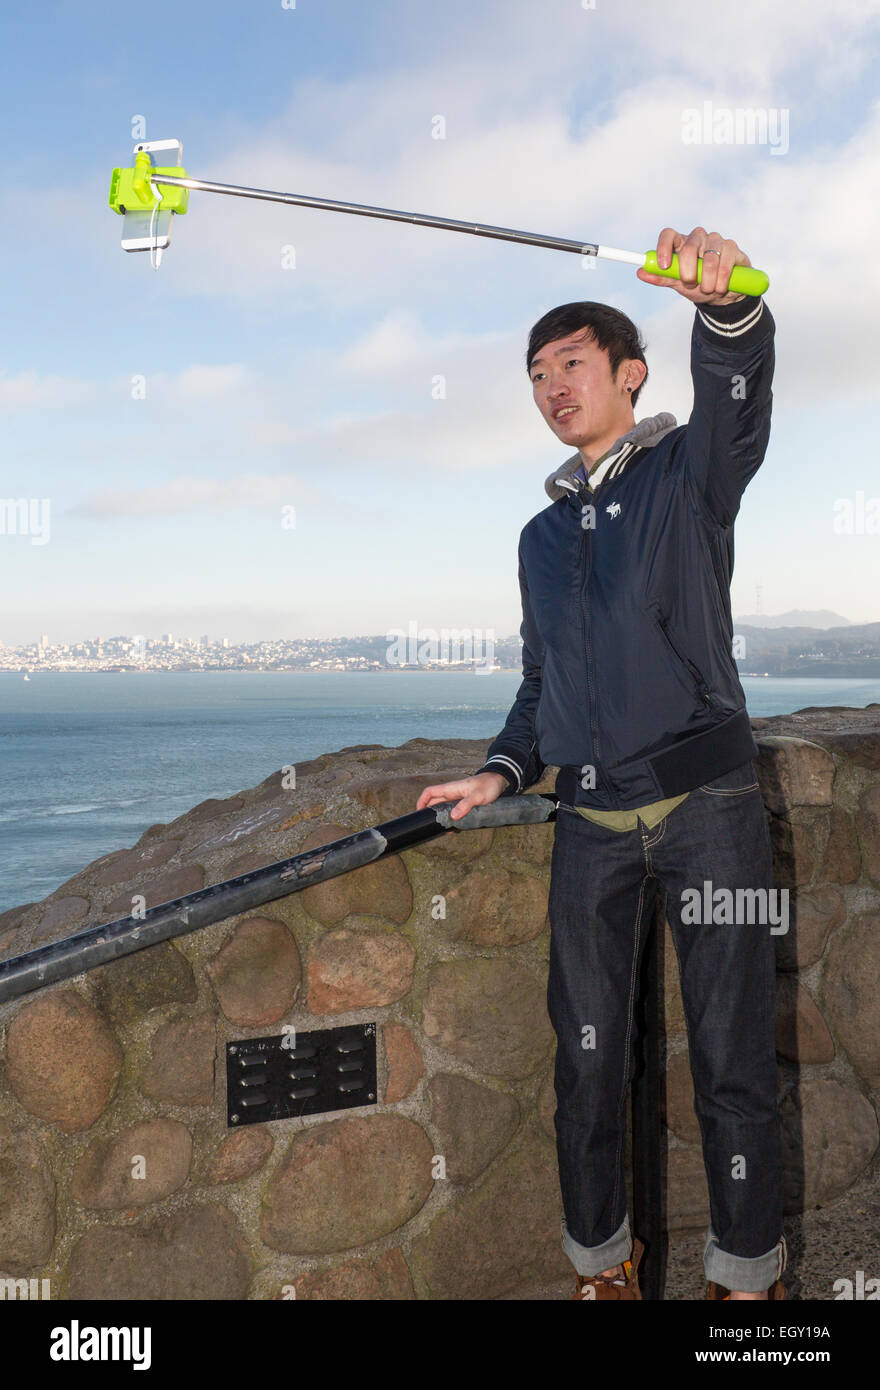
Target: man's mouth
{"points": [[564, 411]]}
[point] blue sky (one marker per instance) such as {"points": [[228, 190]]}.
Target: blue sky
{"points": [[311, 386]]}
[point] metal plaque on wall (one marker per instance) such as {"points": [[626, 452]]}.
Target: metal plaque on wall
{"points": [[300, 1074]]}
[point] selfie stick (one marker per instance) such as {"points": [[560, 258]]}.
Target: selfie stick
{"points": [[134, 193]]}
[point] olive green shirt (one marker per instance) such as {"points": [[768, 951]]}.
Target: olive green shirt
{"points": [[651, 814]]}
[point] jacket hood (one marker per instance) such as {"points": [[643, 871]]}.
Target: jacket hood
{"points": [[645, 434]]}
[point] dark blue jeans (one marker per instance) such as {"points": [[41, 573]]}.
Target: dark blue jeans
{"points": [[602, 892]]}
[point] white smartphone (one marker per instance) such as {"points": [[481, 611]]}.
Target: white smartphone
{"points": [[142, 231]]}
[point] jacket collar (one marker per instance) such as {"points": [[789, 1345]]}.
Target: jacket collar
{"points": [[569, 477]]}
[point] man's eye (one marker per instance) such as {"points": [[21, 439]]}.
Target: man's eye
{"points": [[572, 360]]}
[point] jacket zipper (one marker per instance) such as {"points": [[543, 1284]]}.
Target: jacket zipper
{"points": [[591, 695], [696, 673]]}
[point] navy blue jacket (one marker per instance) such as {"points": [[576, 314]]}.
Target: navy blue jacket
{"points": [[629, 683]]}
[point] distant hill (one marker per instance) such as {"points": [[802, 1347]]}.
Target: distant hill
{"points": [[795, 617], [851, 651]]}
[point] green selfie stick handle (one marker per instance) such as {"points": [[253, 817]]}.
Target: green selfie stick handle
{"points": [[744, 279]]}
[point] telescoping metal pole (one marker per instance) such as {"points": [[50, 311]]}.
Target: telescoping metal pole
{"points": [[743, 279]]}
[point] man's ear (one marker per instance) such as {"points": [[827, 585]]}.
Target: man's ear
{"points": [[632, 374]]}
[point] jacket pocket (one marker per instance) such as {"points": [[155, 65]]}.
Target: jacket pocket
{"points": [[688, 668]]}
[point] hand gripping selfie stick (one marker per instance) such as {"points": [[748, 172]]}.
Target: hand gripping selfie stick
{"points": [[131, 192]]}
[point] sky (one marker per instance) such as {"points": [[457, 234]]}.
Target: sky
{"points": [[305, 424]]}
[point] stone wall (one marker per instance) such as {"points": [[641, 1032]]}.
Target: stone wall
{"points": [[120, 1179]]}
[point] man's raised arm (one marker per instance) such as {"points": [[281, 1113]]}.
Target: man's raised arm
{"points": [[732, 360]]}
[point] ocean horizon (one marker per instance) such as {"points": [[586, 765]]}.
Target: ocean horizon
{"points": [[91, 759]]}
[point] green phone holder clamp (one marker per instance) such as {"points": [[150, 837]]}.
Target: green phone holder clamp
{"points": [[131, 190]]}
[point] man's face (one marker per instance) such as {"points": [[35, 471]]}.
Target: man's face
{"points": [[574, 390]]}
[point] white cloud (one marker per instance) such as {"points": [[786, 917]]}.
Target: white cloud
{"points": [[31, 390], [762, 43], [400, 339], [208, 382], [176, 496]]}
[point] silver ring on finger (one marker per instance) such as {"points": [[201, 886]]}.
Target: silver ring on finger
{"points": [[710, 251]]}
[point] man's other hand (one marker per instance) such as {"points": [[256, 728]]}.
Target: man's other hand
{"points": [[712, 287], [474, 791]]}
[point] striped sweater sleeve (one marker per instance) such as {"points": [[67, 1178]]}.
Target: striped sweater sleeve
{"points": [[732, 362]]}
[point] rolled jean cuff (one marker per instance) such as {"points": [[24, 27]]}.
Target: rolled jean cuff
{"points": [[589, 1260], [737, 1272]]}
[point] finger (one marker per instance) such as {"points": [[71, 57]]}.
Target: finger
{"points": [[666, 246], [726, 262], [664, 281], [731, 256], [462, 807], [709, 277], [432, 795], [687, 257]]}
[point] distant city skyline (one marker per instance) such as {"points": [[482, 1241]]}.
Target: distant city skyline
{"points": [[799, 617], [768, 647]]}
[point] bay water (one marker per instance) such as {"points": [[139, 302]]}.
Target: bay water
{"points": [[88, 760]]}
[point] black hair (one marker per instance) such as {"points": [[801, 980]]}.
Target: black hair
{"points": [[610, 329]]}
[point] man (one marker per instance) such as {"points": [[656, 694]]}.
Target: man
{"points": [[630, 688]]}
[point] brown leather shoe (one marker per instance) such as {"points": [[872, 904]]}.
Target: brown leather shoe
{"points": [[719, 1292], [595, 1286]]}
